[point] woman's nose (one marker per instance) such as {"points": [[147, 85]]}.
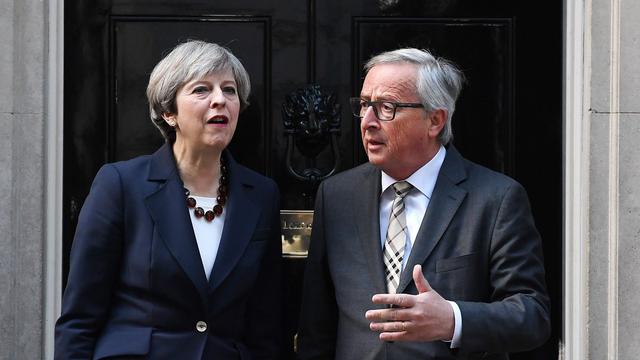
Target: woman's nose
{"points": [[217, 98]]}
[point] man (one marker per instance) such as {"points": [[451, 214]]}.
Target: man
{"points": [[420, 254]]}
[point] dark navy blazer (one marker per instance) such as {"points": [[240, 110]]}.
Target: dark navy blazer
{"points": [[137, 286]]}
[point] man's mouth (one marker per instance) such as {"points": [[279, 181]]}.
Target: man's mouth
{"points": [[218, 119]]}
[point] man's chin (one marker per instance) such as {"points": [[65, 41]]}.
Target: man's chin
{"points": [[376, 159]]}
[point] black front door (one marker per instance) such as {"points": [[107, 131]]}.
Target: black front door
{"points": [[508, 117]]}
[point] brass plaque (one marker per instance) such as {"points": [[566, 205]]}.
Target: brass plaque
{"points": [[295, 226]]}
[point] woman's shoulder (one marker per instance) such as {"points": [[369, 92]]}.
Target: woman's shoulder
{"points": [[131, 166], [245, 175], [124, 171], [251, 177]]}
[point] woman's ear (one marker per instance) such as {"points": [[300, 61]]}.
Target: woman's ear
{"points": [[169, 119], [437, 119]]}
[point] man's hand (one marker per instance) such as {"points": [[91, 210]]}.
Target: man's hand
{"points": [[423, 317]]}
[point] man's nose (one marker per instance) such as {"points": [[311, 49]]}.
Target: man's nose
{"points": [[369, 119]]}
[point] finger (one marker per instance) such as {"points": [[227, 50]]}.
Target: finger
{"points": [[421, 282], [393, 314], [394, 326], [395, 336], [400, 300]]}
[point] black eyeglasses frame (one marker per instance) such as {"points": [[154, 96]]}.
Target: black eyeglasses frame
{"points": [[358, 104]]}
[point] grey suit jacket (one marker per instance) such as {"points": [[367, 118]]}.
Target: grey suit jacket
{"points": [[477, 244]]}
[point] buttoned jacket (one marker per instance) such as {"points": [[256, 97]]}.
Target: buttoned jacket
{"points": [[477, 244], [137, 286]]}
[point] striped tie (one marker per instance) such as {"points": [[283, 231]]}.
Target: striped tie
{"points": [[396, 237]]}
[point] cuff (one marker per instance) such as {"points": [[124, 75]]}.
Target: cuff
{"points": [[457, 327]]}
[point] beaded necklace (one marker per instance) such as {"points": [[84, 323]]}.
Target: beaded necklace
{"points": [[209, 215]]}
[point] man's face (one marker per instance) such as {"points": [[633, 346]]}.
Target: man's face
{"points": [[400, 146]]}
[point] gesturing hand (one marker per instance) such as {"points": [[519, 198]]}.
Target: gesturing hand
{"points": [[423, 317]]}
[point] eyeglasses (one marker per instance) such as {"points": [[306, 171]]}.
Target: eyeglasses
{"points": [[384, 110]]}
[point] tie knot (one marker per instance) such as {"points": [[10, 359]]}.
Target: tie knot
{"points": [[402, 188]]}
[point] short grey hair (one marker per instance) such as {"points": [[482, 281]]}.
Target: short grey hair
{"points": [[190, 60], [438, 82]]}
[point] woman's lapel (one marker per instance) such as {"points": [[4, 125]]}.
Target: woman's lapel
{"points": [[240, 223], [169, 212]]}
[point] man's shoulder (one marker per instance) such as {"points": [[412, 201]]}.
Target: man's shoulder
{"points": [[353, 177], [472, 176], [483, 179]]}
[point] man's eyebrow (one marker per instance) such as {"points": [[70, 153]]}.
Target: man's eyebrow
{"points": [[379, 99]]}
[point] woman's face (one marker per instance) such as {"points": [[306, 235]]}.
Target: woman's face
{"points": [[207, 113]]}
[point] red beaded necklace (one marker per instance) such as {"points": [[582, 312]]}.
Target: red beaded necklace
{"points": [[209, 215]]}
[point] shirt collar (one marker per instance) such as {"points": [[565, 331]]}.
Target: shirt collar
{"points": [[423, 179]]}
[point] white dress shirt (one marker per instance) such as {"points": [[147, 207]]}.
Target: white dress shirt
{"points": [[415, 206]]}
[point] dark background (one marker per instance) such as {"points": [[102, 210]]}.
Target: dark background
{"points": [[508, 116]]}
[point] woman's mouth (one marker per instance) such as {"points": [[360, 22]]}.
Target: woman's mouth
{"points": [[218, 119]]}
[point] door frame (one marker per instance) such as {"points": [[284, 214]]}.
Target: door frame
{"points": [[53, 172], [576, 93]]}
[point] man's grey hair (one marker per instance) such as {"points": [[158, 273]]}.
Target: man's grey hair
{"points": [[188, 61], [438, 82]]}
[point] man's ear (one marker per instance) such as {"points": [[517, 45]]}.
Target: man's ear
{"points": [[437, 119]]}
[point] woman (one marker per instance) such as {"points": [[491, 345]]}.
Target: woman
{"points": [[177, 254]]}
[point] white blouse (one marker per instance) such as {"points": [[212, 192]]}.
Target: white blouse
{"points": [[208, 234]]}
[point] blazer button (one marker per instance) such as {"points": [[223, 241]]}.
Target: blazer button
{"points": [[201, 326]]}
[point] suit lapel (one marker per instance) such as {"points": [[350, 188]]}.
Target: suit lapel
{"points": [[367, 217], [445, 201], [169, 212], [240, 222]]}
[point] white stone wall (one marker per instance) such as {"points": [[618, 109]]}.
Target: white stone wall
{"points": [[23, 40], [614, 215]]}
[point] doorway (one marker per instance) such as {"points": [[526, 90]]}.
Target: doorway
{"points": [[509, 116]]}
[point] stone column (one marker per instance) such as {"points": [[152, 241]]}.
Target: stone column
{"points": [[614, 215], [23, 35]]}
